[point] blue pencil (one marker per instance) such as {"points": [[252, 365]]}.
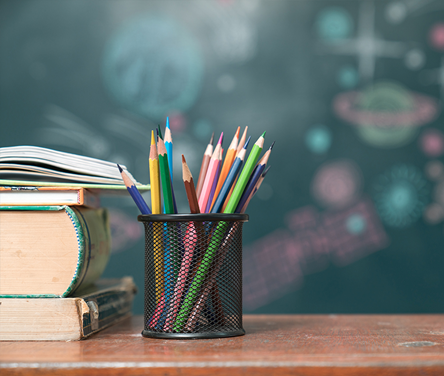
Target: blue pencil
{"points": [[230, 179], [255, 175], [169, 146], [135, 194]]}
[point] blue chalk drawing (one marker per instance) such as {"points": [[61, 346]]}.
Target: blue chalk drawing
{"points": [[318, 139], [356, 224], [153, 66], [401, 194], [348, 77], [334, 24]]}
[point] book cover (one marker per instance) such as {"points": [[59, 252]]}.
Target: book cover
{"points": [[51, 251], [67, 319]]}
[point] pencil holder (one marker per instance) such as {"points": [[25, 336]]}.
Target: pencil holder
{"points": [[193, 275]]}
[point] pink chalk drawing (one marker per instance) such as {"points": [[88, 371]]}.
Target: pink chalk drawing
{"points": [[432, 142], [276, 264], [337, 184], [125, 231], [436, 36]]}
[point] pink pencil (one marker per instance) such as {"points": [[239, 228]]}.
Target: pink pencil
{"points": [[189, 241], [210, 176], [158, 312]]}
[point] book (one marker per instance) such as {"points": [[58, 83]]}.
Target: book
{"points": [[46, 196], [67, 319], [34, 163], [51, 251]]}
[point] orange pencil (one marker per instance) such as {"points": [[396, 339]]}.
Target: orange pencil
{"points": [[229, 159]]}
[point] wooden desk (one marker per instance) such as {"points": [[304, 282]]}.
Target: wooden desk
{"points": [[279, 345]]}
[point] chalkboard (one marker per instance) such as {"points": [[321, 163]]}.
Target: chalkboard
{"points": [[350, 217]]}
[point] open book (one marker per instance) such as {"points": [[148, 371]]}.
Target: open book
{"points": [[33, 165]]}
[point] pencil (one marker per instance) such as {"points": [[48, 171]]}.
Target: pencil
{"points": [[217, 238], [189, 241], [154, 177], [156, 209], [256, 188], [159, 132], [245, 174], [213, 187], [230, 179], [210, 176], [189, 187], [242, 141], [135, 194], [204, 166], [165, 177], [169, 147], [229, 159], [256, 174]]}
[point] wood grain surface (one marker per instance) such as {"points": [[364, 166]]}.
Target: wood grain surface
{"points": [[276, 344]]}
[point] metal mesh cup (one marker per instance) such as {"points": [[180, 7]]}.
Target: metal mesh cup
{"points": [[193, 275]]}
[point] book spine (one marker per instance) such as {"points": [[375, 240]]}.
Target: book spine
{"points": [[94, 242]]}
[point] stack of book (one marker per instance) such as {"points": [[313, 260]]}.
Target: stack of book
{"points": [[55, 242]]}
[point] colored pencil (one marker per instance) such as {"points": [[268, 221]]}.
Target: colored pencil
{"points": [[169, 147], [154, 177], [213, 188], [256, 174], [165, 177], [156, 209], [204, 166], [135, 194], [245, 174], [159, 132], [230, 179], [217, 238], [242, 141], [258, 185], [210, 176], [228, 162]]}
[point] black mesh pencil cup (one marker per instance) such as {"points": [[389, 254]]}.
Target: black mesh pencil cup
{"points": [[193, 275]]}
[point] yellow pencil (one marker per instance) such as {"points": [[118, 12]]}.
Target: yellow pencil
{"points": [[156, 209]]}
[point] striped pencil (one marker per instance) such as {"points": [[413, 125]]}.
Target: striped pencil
{"points": [[231, 178], [228, 162], [135, 194], [256, 174], [256, 188], [203, 168], [210, 176]]}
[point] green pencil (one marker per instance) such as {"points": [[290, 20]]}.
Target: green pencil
{"points": [[165, 177], [218, 237]]}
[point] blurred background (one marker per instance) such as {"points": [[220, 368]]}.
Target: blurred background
{"points": [[350, 217]]}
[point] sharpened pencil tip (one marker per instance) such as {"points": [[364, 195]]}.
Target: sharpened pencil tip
{"points": [[168, 123], [183, 159], [153, 142], [248, 141], [212, 139], [221, 138], [271, 146], [237, 132], [120, 168], [159, 132], [263, 134]]}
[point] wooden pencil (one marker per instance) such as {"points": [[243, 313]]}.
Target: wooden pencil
{"points": [[210, 176], [165, 177], [242, 141], [204, 166], [169, 147], [135, 194], [230, 179], [189, 187], [213, 188], [256, 174], [256, 188], [228, 162], [154, 177]]}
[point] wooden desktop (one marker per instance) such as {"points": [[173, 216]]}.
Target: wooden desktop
{"points": [[342, 345]]}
